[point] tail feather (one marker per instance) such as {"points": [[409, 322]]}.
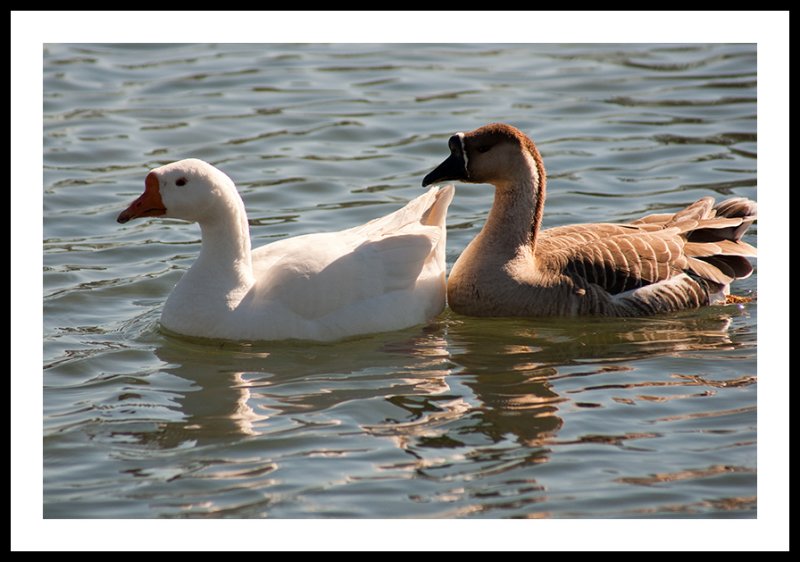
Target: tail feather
{"points": [[697, 211], [743, 213], [736, 266], [719, 247], [739, 207], [717, 272], [714, 248], [428, 209], [738, 248], [436, 213]]}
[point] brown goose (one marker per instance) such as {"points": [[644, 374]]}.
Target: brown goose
{"points": [[659, 263]]}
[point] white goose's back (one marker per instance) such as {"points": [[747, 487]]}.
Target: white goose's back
{"points": [[385, 275]]}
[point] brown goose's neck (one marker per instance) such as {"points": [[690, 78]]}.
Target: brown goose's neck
{"points": [[540, 193], [516, 214]]}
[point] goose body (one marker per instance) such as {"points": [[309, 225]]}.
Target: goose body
{"points": [[384, 275], [659, 263]]}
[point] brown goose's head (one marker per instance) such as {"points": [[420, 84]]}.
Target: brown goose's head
{"points": [[497, 153]]}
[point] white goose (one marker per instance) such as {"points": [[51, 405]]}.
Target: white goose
{"points": [[385, 275], [659, 263]]}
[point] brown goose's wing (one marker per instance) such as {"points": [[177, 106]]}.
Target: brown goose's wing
{"points": [[701, 240], [617, 257]]}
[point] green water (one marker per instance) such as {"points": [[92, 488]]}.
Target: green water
{"points": [[463, 418]]}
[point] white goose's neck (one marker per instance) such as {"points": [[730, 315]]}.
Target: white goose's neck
{"points": [[225, 252], [514, 218]]}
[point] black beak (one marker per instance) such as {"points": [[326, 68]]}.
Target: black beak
{"points": [[453, 168]]}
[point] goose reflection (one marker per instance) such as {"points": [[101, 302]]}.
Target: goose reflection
{"points": [[460, 385], [230, 390], [513, 376]]}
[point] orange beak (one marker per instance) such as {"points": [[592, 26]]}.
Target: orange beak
{"points": [[148, 204]]}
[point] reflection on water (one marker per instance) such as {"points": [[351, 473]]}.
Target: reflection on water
{"points": [[239, 415], [514, 380]]}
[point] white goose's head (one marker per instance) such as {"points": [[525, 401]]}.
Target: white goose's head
{"points": [[190, 189], [497, 153]]}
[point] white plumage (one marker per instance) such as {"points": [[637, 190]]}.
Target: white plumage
{"points": [[384, 275]]}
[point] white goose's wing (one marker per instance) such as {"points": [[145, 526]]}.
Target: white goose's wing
{"points": [[317, 274], [383, 275]]}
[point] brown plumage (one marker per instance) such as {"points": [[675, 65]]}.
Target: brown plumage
{"points": [[659, 263]]}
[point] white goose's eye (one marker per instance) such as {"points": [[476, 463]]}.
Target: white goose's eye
{"points": [[181, 181]]}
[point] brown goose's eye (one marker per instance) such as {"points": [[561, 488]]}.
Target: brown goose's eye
{"points": [[180, 181], [484, 148]]}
